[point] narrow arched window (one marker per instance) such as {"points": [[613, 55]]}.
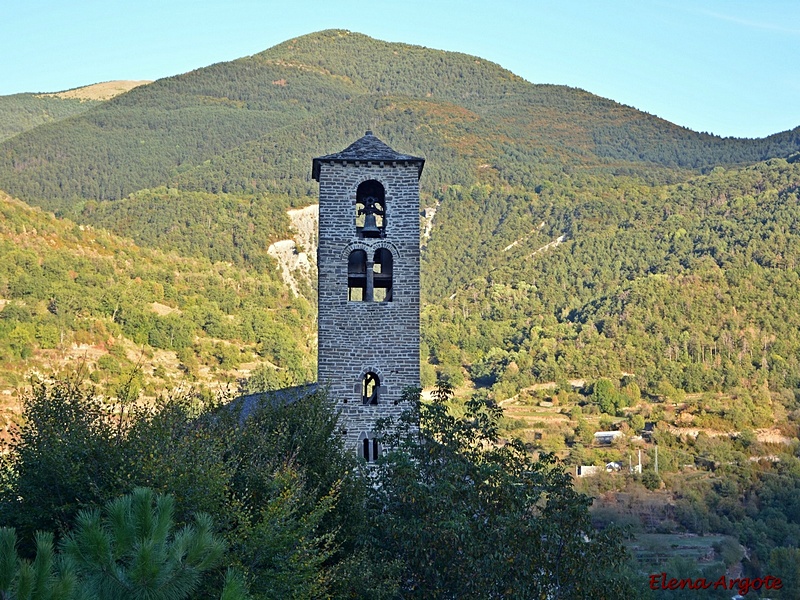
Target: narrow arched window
{"points": [[365, 452], [369, 388], [382, 275], [370, 209], [357, 276]]}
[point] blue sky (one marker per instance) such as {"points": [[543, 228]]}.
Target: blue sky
{"points": [[730, 67]]}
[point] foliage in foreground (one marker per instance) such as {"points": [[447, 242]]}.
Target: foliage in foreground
{"points": [[32, 580], [472, 516], [452, 512], [272, 496], [131, 552]]}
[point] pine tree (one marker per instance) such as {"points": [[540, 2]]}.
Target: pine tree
{"points": [[40, 579], [131, 551]]}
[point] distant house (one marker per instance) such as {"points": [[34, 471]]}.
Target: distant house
{"points": [[606, 437], [585, 470]]}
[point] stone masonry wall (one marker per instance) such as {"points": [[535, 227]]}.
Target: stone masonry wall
{"points": [[357, 337]]}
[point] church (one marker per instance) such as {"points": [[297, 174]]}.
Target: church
{"points": [[369, 285]]}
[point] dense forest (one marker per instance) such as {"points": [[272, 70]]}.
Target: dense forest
{"points": [[66, 286], [22, 112], [691, 283], [589, 267]]}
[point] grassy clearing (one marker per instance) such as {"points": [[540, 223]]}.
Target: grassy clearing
{"points": [[656, 549], [99, 91]]}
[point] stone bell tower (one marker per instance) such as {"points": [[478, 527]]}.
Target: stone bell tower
{"points": [[369, 285]]}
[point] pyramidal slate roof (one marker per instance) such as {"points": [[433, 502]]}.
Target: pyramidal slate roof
{"points": [[367, 149]]}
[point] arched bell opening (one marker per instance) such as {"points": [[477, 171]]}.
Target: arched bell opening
{"points": [[382, 275], [370, 209], [370, 281], [357, 276]]}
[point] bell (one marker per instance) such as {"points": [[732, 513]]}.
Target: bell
{"points": [[370, 228]]}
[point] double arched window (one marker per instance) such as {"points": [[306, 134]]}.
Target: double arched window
{"points": [[368, 447], [370, 281]]}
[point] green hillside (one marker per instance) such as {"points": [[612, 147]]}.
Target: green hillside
{"points": [[220, 227], [692, 284], [588, 226], [72, 294], [21, 112], [588, 267], [259, 119]]}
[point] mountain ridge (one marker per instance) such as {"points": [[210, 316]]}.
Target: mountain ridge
{"points": [[153, 134], [506, 161], [585, 266], [103, 90]]}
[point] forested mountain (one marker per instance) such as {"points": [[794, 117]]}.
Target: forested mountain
{"points": [[584, 216], [220, 227], [76, 292], [21, 112], [589, 266], [693, 284], [259, 119], [581, 212]]}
